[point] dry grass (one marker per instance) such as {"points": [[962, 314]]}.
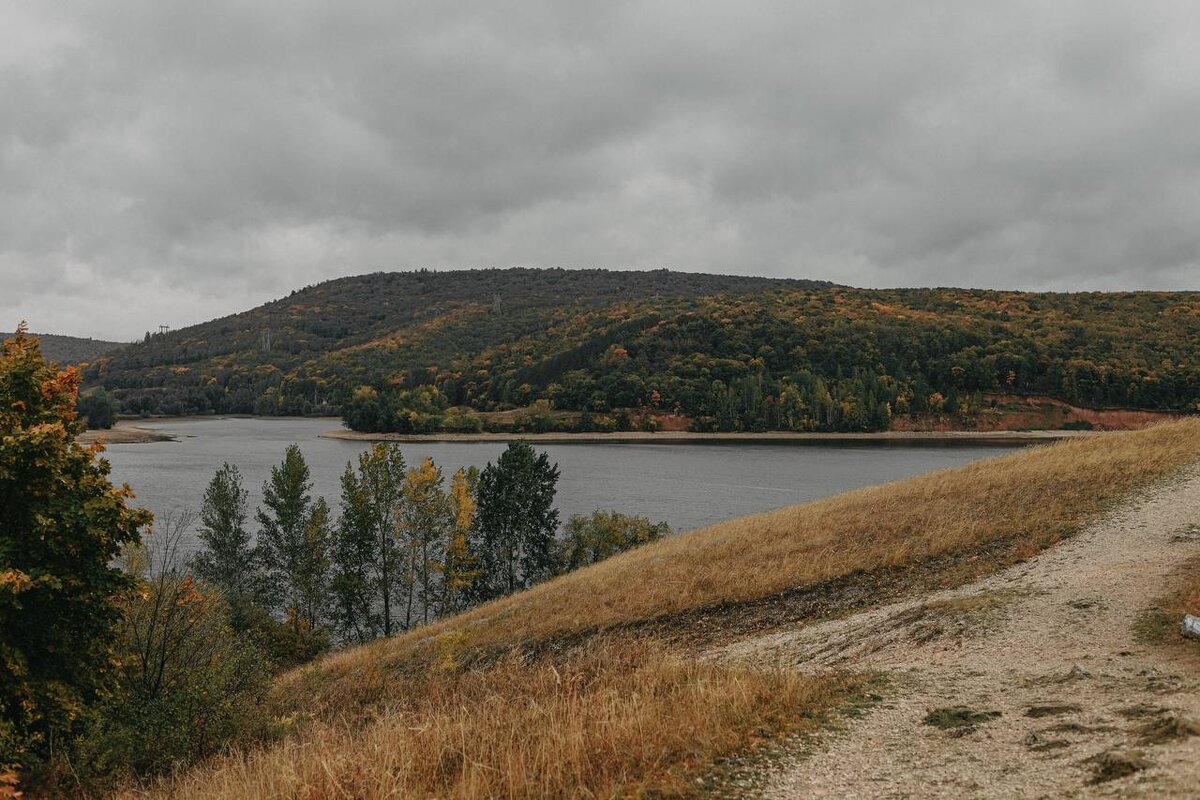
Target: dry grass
{"points": [[1029, 499], [401, 717], [611, 719]]}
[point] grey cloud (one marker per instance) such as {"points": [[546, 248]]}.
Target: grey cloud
{"points": [[165, 161]]}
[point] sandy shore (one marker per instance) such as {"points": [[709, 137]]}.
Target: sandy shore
{"points": [[683, 437], [124, 433]]}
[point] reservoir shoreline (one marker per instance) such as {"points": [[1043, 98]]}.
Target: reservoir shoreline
{"points": [[686, 437], [139, 431]]}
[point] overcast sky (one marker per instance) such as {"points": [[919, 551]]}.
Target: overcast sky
{"points": [[168, 162]]}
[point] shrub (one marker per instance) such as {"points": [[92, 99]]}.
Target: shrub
{"points": [[99, 408], [587, 540], [187, 683]]}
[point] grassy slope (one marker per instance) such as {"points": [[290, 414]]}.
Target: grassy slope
{"points": [[614, 718], [935, 525]]}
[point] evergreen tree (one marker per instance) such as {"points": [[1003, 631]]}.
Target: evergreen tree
{"points": [[517, 520], [353, 586], [227, 559], [289, 551], [367, 557]]}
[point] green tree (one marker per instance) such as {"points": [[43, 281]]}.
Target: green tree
{"points": [[313, 567], [517, 520], [228, 559], [295, 551], [62, 523], [353, 585], [367, 564], [587, 540], [99, 408]]}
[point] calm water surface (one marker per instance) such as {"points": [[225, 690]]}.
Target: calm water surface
{"points": [[686, 485]]}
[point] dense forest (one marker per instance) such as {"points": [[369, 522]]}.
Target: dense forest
{"points": [[72, 350], [597, 350]]}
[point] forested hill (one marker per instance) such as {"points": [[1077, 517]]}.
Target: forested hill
{"points": [[286, 356], [73, 349], [597, 350]]}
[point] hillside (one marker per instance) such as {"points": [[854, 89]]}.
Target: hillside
{"points": [[505, 700], [73, 349], [307, 352], [417, 352]]}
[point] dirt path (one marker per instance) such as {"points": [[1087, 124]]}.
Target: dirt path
{"points": [[1050, 644]]}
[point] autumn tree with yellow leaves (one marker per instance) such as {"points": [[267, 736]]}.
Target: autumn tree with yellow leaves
{"points": [[460, 567], [425, 520]]}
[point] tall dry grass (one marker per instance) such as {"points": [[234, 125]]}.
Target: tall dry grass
{"points": [[1030, 499], [613, 719]]}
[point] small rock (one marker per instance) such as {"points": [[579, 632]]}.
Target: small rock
{"points": [[1077, 673], [1190, 627]]}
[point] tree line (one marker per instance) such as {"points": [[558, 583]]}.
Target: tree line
{"points": [[424, 352], [407, 546], [811, 360]]}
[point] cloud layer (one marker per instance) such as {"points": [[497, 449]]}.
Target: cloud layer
{"points": [[169, 161]]}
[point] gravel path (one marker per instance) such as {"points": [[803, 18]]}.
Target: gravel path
{"points": [[1049, 644]]}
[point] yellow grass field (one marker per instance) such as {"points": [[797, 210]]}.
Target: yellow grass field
{"points": [[613, 719]]}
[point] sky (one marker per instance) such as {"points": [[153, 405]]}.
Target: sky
{"points": [[167, 162]]}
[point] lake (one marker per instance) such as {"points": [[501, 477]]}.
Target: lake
{"points": [[686, 485]]}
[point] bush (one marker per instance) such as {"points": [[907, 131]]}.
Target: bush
{"points": [[187, 684], [587, 540], [285, 644], [99, 408], [459, 420]]}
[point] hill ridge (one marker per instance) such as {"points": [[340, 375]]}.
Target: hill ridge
{"points": [[628, 350]]}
